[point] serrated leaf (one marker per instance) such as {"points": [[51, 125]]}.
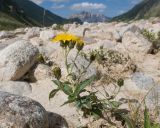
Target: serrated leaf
{"points": [[53, 93], [83, 85]]}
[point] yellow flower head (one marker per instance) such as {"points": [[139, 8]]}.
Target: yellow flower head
{"points": [[69, 40], [65, 37]]}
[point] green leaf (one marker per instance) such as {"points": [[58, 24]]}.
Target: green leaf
{"points": [[115, 104], [80, 87], [147, 123], [64, 87], [156, 126], [83, 103], [53, 93], [128, 121], [67, 102], [97, 113], [71, 99], [67, 89], [57, 82]]}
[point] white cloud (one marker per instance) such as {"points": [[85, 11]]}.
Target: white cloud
{"points": [[41, 1], [135, 1], [58, 6], [59, 0], [88, 6], [120, 12], [37, 1]]}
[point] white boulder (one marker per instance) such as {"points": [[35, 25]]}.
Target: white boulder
{"points": [[16, 60]]}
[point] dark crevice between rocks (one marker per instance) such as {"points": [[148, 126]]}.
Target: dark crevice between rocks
{"points": [[57, 121]]}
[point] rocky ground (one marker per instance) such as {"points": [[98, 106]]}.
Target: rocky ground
{"points": [[25, 85]]}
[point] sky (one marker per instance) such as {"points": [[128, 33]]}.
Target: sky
{"points": [[65, 8]]}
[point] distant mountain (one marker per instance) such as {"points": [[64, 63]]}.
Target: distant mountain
{"points": [[143, 10], [16, 13], [90, 17]]}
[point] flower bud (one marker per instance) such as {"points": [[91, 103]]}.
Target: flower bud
{"points": [[57, 72], [120, 82], [74, 77], [92, 57], [63, 44], [71, 44], [79, 46], [40, 58]]}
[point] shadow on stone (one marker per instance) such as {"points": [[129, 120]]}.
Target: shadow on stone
{"points": [[57, 121]]}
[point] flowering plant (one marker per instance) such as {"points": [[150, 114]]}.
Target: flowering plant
{"points": [[76, 88]]}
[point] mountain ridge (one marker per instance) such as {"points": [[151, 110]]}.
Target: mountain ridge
{"points": [[143, 10], [85, 16], [25, 12]]}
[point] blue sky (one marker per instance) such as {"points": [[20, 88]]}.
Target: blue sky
{"points": [[109, 8]]}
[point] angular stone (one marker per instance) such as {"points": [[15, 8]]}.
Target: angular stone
{"points": [[16, 87], [16, 60]]}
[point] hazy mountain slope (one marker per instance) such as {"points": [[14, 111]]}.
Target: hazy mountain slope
{"points": [[25, 12], [35, 13], [145, 9], [7, 22]]}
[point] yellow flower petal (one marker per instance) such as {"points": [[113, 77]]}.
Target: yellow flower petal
{"points": [[66, 37]]}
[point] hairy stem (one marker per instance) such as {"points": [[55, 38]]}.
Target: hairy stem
{"points": [[84, 71], [74, 61], [66, 59]]}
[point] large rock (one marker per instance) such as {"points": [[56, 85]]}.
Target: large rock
{"points": [[19, 31], [46, 35], [49, 48], [41, 72], [153, 97], [136, 45], [54, 26], [21, 112], [146, 83], [15, 87], [56, 121], [36, 41], [3, 45], [151, 66], [32, 32], [8, 41], [6, 34], [16, 60], [143, 81], [101, 43]]}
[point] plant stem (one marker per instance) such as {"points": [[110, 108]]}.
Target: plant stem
{"points": [[80, 75], [66, 60], [74, 61]]}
